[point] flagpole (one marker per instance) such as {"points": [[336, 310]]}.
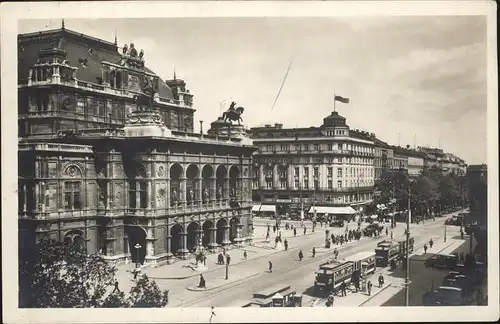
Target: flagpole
{"points": [[334, 102]]}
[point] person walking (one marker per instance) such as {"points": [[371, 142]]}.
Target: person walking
{"points": [[425, 248], [314, 251], [270, 267], [343, 289], [116, 287], [369, 288], [285, 243], [212, 315], [245, 254], [305, 230], [294, 232], [301, 255], [336, 253], [380, 281], [431, 242], [386, 231], [392, 235]]}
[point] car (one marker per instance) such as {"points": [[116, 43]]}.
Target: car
{"points": [[337, 223], [443, 261], [449, 296]]}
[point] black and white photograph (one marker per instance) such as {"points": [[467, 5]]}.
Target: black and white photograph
{"points": [[214, 161]]}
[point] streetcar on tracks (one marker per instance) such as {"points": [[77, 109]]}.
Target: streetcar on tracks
{"points": [[330, 276]]}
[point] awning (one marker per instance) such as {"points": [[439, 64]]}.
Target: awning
{"points": [[332, 210], [381, 206], [264, 208], [374, 216]]}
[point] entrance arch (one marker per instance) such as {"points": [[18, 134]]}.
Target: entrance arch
{"points": [[137, 235], [221, 228], [74, 239], [233, 228], [192, 236], [175, 238], [206, 232]]}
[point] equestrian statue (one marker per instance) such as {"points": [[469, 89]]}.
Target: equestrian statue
{"points": [[145, 100], [233, 114]]}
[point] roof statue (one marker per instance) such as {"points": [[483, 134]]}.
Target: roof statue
{"points": [[132, 51], [233, 114], [125, 49]]}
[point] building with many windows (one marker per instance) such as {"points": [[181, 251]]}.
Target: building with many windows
{"points": [[383, 157], [108, 159], [330, 165]]}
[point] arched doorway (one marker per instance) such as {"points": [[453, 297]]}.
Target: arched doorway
{"points": [[175, 184], [206, 232], [221, 175], [175, 239], [221, 227], [206, 175], [137, 235], [192, 184], [233, 228], [192, 236]]}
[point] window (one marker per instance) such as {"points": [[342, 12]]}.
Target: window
{"points": [[316, 147], [306, 183], [269, 184], [102, 193], [285, 147], [339, 160], [102, 108], [339, 184], [296, 172], [270, 148], [316, 172], [340, 147], [330, 184], [138, 189], [93, 106], [330, 147], [316, 184], [80, 104], [306, 172], [296, 183], [330, 171], [339, 173], [283, 184], [306, 147], [72, 195]]}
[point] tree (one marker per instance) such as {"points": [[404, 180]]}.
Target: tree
{"points": [[54, 275], [146, 293]]}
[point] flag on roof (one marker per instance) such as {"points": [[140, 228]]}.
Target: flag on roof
{"points": [[342, 99]]}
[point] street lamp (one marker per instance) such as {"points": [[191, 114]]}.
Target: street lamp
{"points": [[227, 268], [137, 247], [445, 232], [407, 278]]}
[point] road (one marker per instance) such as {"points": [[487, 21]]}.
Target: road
{"points": [[422, 278], [288, 270]]}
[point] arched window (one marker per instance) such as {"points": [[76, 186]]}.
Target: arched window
{"points": [[73, 188]]}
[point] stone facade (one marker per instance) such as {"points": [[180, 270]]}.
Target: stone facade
{"points": [[134, 185]]}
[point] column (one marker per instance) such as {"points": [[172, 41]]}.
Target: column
{"points": [[275, 176], [183, 251], [212, 243], [169, 244], [225, 240], [226, 189], [213, 189], [199, 236], [182, 191], [239, 189], [167, 195], [150, 250], [37, 197], [239, 237], [25, 198], [198, 190]]}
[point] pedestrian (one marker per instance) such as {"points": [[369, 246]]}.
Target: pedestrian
{"points": [[294, 232], [345, 236], [392, 235], [212, 315], [431, 242], [369, 288], [314, 251], [380, 281], [301, 255], [202, 283], [274, 228], [116, 287], [228, 259], [386, 231], [336, 253], [285, 243], [461, 234], [343, 289], [305, 230], [270, 267], [425, 248], [245, 254]]}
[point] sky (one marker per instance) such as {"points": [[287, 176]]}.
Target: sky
{"points": [[417, 80]]}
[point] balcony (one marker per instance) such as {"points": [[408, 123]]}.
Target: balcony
{"points": [[55, 147]]}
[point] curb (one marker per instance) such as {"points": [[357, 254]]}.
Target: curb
{"points": [[375, 294], [194, 288]]}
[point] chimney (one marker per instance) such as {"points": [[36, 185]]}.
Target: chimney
{"points": [[278, 126], [407, 147], [201, 127]]}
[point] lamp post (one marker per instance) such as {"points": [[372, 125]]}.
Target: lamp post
{"points": [[227, 268], [445, 232], [407, 252], [137, 247]]}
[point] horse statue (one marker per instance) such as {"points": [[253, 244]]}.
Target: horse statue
{"points": [[146, 98], [233, 114]]}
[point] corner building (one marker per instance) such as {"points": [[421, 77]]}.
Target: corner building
{"points": [[104, 168], [330, 166]]}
